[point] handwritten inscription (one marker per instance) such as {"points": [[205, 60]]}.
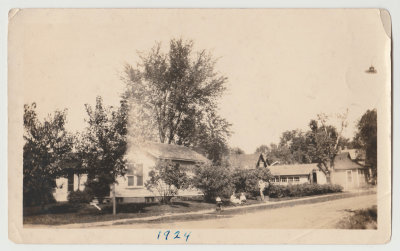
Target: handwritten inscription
{"points": [[169, 235]]}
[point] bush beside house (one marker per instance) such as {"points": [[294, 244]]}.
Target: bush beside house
{"points": [[213, 181], [79, 197]]}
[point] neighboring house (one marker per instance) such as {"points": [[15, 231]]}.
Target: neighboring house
{"points": [[297, 174], [348, 173], [283, 174], [248, 161], [141, 160]]}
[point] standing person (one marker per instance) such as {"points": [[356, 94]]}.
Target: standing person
{"points": [[219, 203], [261, 185]]}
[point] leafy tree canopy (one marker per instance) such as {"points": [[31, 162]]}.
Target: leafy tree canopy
{"points": [[47, 145], [175, 96]]}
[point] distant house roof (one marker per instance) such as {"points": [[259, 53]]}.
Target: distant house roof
{"points": [[295, 169], [343, 161], [355, 154], [172, 152], [246, 161]]}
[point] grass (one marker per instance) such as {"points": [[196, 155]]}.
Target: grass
{"points": [[360, 219], [67, 213]]}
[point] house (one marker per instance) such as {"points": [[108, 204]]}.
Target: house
{"points": [[347, 172], [74, 179], [131, 187], [297, 174], [141, 160], [248, 161]]}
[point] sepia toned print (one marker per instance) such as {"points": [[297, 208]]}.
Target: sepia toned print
{"points": [[191, 126]]}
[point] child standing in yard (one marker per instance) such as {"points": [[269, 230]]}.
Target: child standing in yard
{"points": [[219, 203]]}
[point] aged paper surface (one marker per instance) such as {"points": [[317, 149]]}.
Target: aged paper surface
{"points": [[283, 68]]}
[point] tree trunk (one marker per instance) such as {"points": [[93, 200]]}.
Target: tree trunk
{"points": [[114, 200]]}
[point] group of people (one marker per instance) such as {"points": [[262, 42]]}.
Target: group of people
{"points": [[242, 198]]}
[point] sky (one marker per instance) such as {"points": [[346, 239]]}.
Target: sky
{"points": [[283, 66]]}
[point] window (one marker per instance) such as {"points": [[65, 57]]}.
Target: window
{"points": [[139, 175], [135, 175], [290, 179], [283, 179], [130, 181], [349, 176], [296, 179]]}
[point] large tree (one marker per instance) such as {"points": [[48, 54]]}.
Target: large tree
{"points": [[175, 95], [103, 145], [47, 145], [367, 138]]}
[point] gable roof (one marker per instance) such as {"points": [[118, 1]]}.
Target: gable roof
{"points": [[172, 152], [295, 169], [245, 161], [343, 161], [355, 154]]}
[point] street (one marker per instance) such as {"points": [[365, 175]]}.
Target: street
{"points": [[312, 216]]}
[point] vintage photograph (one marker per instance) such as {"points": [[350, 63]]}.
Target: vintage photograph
{"points": [[176, 120]]}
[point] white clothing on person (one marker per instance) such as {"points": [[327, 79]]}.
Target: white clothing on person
{"points": [[242, 197], [235, 200]]}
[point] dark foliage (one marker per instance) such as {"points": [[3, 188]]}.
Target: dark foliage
{"points": [[79, 197], [367, 139], [277, 191], [213, 181], [47, 144], [246, 180]]}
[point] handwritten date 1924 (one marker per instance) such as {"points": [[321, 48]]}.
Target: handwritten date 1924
{"points": [[168, 235]]}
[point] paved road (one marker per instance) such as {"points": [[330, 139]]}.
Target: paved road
{"points": [[316, 216]]}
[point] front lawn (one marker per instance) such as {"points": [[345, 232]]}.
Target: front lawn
{"points": [[67, 213]]}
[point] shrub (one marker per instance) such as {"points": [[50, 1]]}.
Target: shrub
{"points": [[246, 180], [213, 181], [98, 187], [277, 191], [79, 197], [166, 178], [360, 219]]}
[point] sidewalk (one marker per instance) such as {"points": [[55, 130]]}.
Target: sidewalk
{"points": [[226, 210]]}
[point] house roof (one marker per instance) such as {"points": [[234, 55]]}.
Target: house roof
{"points": [[245, 161], [343, 161], [355, 154], [172, 152], [295, 169]]}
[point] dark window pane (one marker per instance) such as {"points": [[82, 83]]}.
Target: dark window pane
{"points": [[130, 180], [139, 180]]}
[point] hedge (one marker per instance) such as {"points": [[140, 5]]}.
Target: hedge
{"points": [[79, 197], [278, 191]]}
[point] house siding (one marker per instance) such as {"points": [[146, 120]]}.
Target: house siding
{"points": [[134, 194], [61, 191]]}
